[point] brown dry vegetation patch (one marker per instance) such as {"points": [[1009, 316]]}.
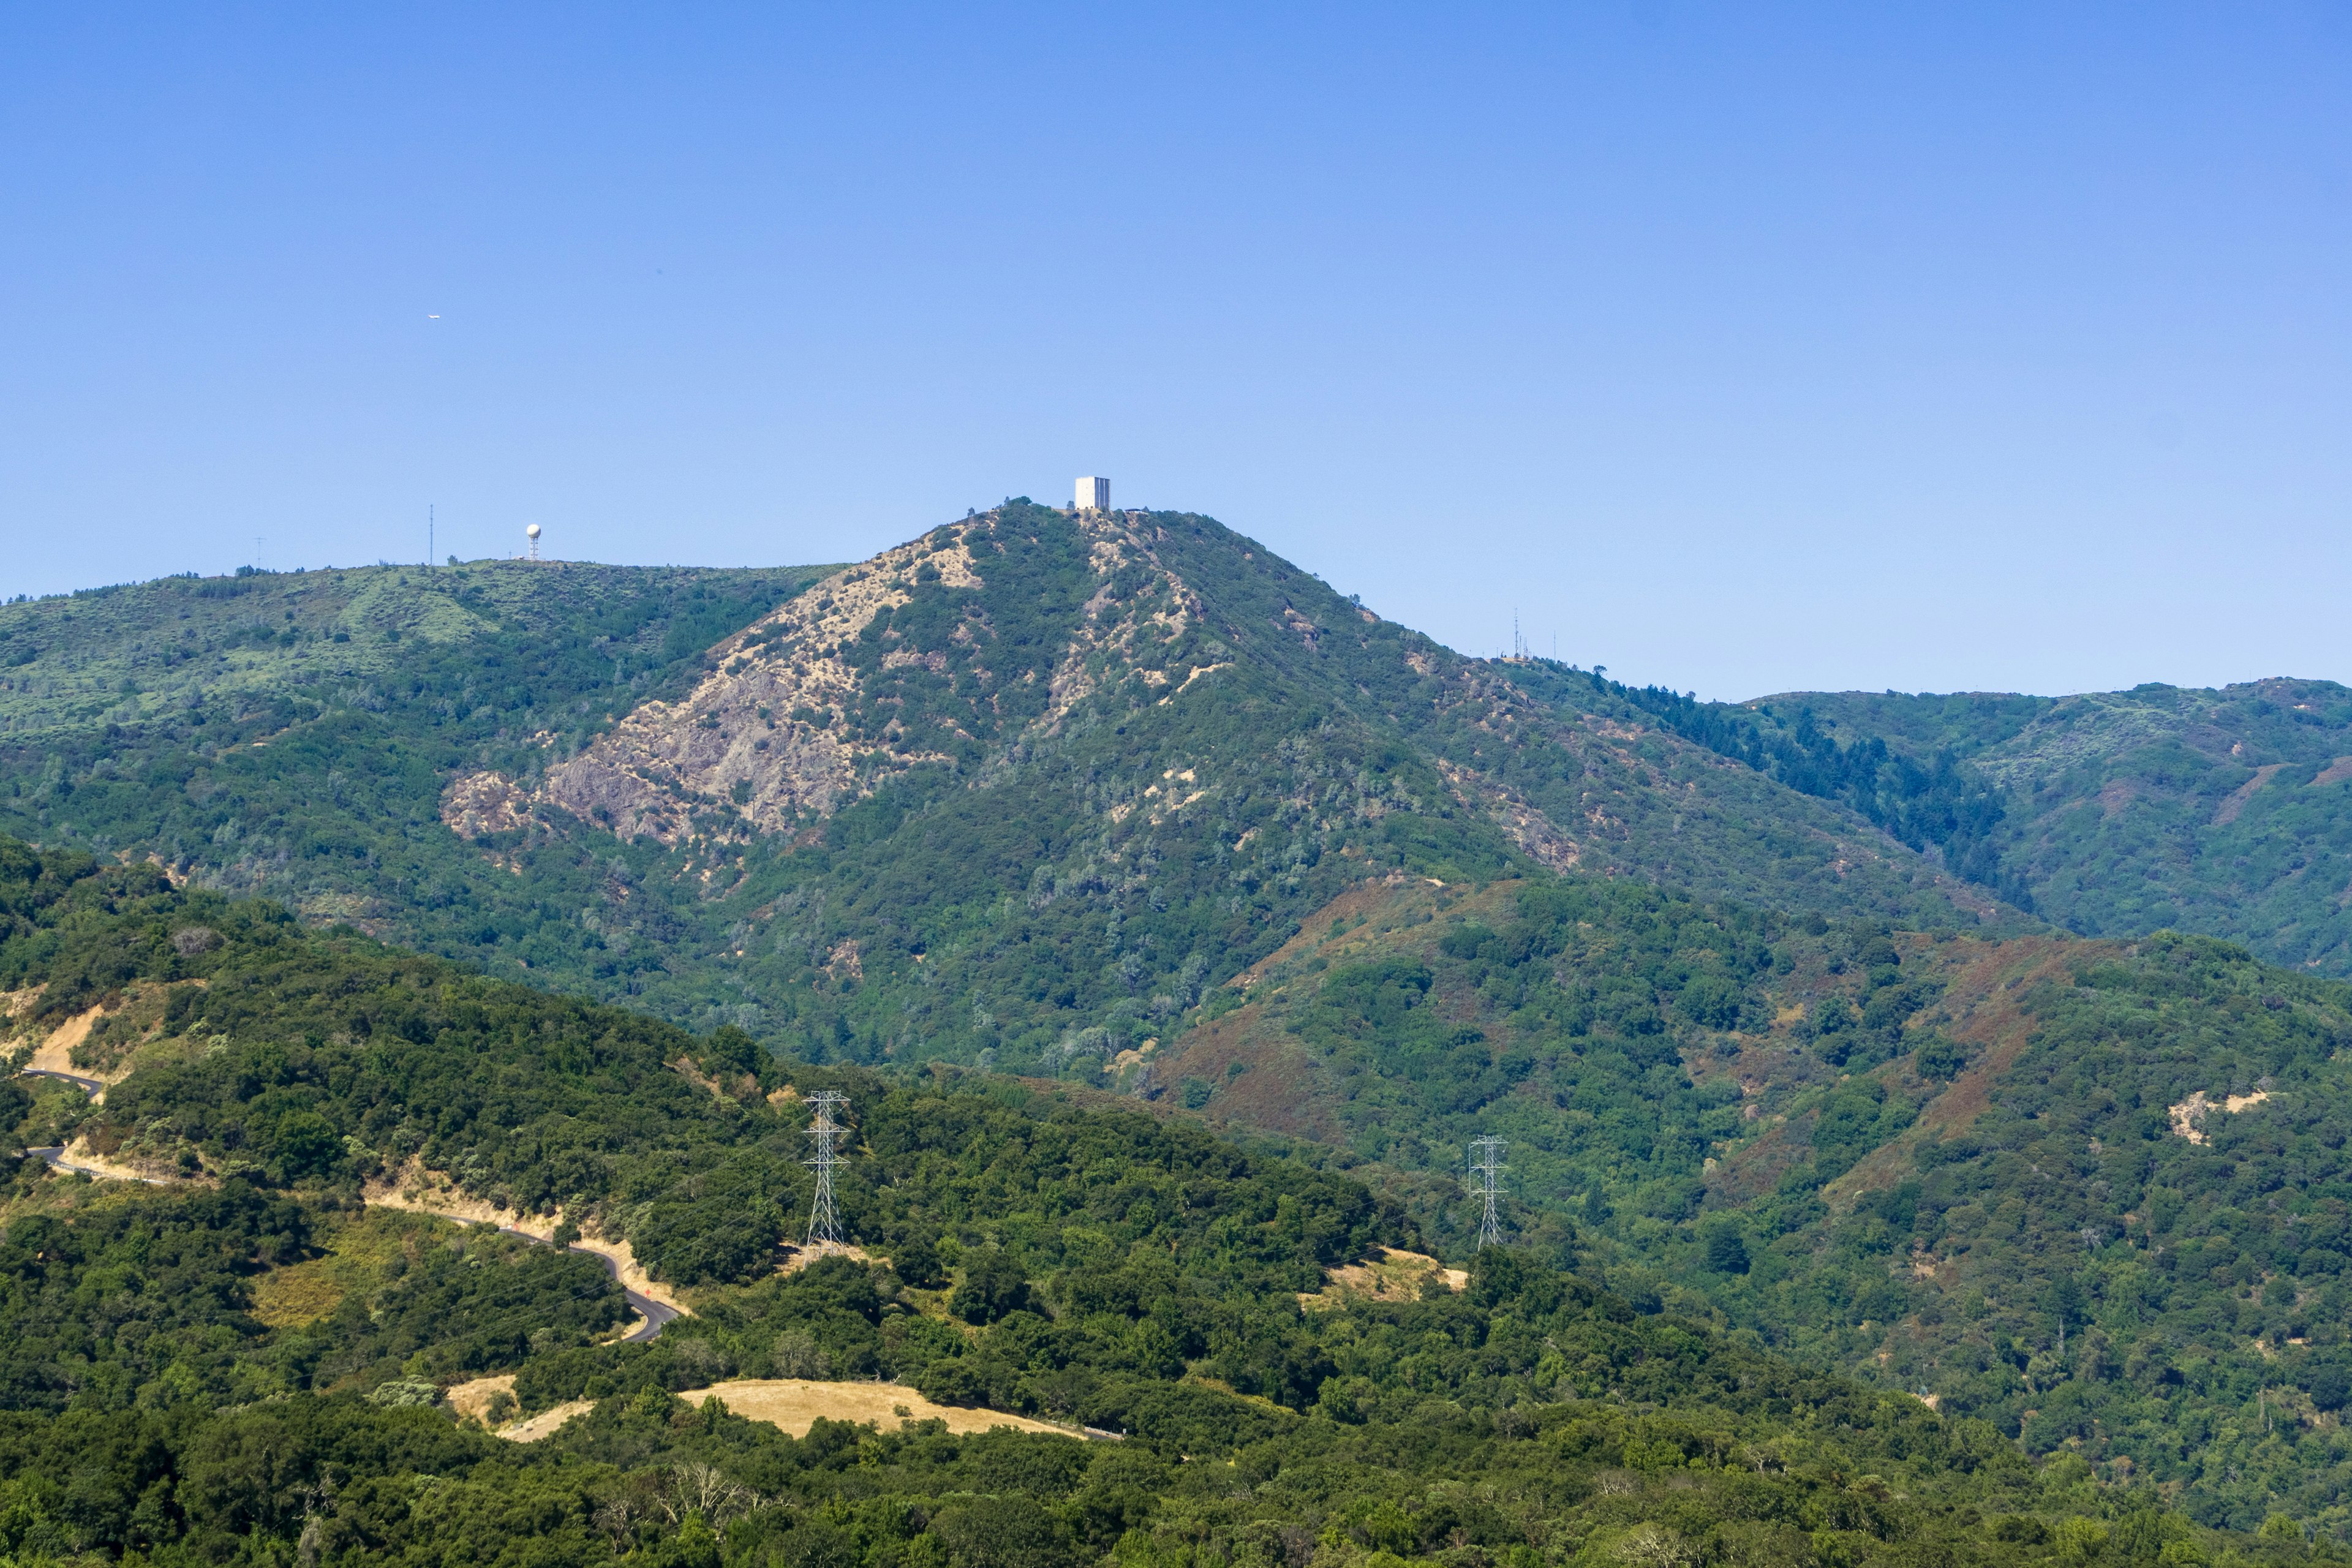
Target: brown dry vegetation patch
{"points": [[803, 1257], [743, 1086], [1276, 1089], [2244, 793], [471, 1401], [1984, 984], [1367, 907], [1757, 1166], [1279, 1086], [547, 1423]]}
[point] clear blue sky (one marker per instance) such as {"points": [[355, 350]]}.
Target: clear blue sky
{"points": [[1740, 348]]}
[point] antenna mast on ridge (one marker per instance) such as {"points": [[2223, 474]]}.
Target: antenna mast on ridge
{"points": [[1485, 1165], [824, 1223]]}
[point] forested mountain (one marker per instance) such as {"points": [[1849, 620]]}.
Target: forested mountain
{"points": [[291, 733], [2226, 812], [2094, 1192], [1123, 801], [237, 1364], [1022, 790]]}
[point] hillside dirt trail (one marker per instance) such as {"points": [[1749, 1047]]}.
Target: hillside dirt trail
{"points": [[417, 1191], [410, 1188], [53, 1057]]}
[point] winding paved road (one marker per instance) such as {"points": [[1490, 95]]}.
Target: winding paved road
{"points": [[88, 1086], [54, 1155], [654, 1312]]}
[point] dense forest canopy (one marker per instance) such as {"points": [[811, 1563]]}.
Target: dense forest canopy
{"points": [[1082, 1261], [1956, 1166], [2223, 813]]}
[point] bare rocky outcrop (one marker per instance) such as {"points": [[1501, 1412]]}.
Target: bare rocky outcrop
{"points": [[763, 733], [758, 738], [475, 803], [778, 732], [1529, 830]]}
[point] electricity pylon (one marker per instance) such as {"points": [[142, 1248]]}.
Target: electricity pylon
{"points": [[1485, 1165], [824, 1223]]}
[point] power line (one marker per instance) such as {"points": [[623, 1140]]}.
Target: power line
{"points": [[824, 1221], [1485, 1165]]}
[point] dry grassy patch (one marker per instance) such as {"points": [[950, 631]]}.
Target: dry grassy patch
{"points": [[303, 1293], [546, 1422], [1395, 1275], [794, 1404], [471, 1401]]}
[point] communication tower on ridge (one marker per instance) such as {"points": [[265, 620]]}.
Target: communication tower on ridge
{"points": [[532, 533], [1094, 494], [824, 1223], [1485, 1165]]}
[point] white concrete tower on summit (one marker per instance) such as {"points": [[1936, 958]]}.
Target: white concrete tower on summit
{"points": [[1094, 494]]}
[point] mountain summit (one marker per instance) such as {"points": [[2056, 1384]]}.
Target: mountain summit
{"points": [[1068, 770], [1070, 767]]}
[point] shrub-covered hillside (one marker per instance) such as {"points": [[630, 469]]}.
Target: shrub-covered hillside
{"points": [[2223, 811], [238, 1364], [261, 1052], [1528, 1421], [1957, 1166], [290, 733]]}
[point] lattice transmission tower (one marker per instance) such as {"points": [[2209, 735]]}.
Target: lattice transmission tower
{"points": [[1486, 1166], [825, 1222]]}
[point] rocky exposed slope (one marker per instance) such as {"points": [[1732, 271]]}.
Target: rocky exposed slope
{"points": [[1026, 785], [851, 684], [968, 647]]}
